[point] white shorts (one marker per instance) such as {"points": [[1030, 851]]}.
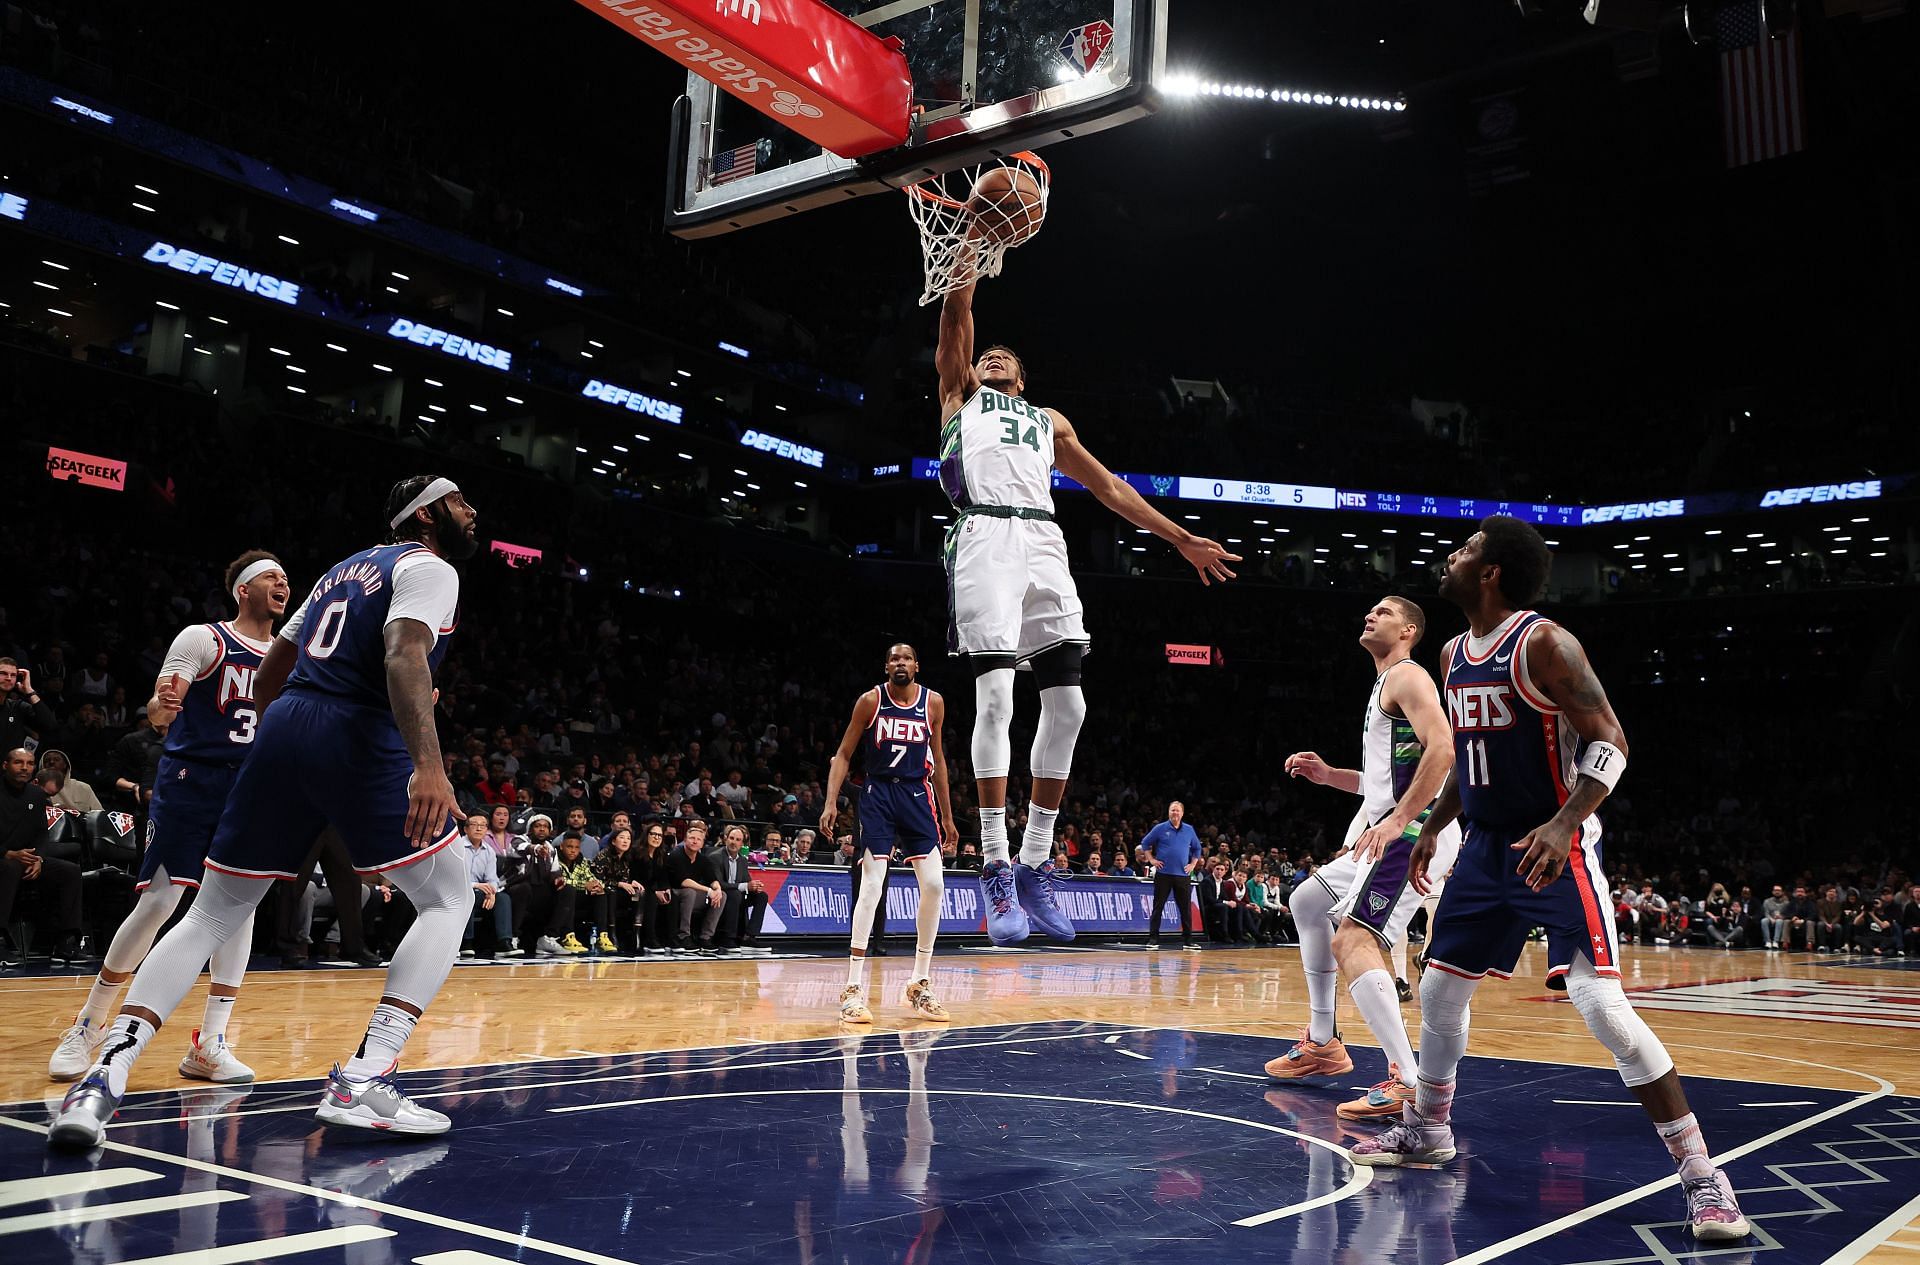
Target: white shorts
{"points": [[1008, 588], [1377, 894]]}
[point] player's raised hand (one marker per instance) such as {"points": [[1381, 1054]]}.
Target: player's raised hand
{"points": [[1209, 558], [1544, 855], [430, 806], [1307, 764]]}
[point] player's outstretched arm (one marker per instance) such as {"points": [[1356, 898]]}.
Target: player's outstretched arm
{"points": [[954, 355], [430, 800], [1072, 459], [863, 713], [1557, 667], [936, 729]]}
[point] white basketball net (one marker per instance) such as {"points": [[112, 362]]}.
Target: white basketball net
{"points": [[964, 238]]}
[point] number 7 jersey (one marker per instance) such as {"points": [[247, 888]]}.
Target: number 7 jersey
{"points": [[1514, 754], [998, 450]]}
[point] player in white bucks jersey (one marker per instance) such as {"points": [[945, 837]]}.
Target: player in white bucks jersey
{"points": [[203, 701], [905, 805], [1525, 789], [1356, 906], [1012, 600]]}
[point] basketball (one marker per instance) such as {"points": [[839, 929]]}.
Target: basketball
{"points": [[1007, 206]]}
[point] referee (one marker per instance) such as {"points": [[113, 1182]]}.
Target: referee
{"points": [[1176, 851]]}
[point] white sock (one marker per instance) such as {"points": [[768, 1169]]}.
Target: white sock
{"points": [[213, 1022], [1380, 1007], [993, 835], [99, 1007], [1036, 844], [1321, 1000], [857, 971], [1310, 904], [923, 964], [1687, 1145], [129, 1036], [1400, 961], [387, 1034]]}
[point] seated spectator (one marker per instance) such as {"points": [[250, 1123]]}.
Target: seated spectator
{"points": [[746, 907], [1721, 928], [1096, 866], [547, 897], [1652, 923], [496, 787], [695, 885], [1213, 909], [615, 868], [1120, 867], [1910, 922], [491, 906], [1830, 932], [969, 858], [649, 866], [1802, 919], [23, 826], [1876, 928], [577, 826], [736, 795], [590, 904], [69, 791], [1773, 918]]}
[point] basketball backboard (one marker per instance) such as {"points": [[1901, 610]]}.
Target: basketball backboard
{"points": [[990, 78]]}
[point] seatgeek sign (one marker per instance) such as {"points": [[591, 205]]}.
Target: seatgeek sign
{"points": [[784, 448], [222, 272]]}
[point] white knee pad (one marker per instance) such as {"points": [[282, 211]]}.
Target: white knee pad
{"points": [[873, 889], [992, 723], [142, 924], [1311, 902], [1444, 1002], [1636, 1051], [1063, 709], [933, 890]]}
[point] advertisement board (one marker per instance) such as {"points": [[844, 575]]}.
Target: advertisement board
{"points": [[819, 902]]}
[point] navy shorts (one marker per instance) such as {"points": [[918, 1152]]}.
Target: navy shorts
{"points": [[188, 799], [1487, 909], [897, 813], [317, 763]]}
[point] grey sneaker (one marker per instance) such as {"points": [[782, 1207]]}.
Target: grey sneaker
{"points": [[1406, 1142], [83, 1116], [548, 947], [376, 1104]]}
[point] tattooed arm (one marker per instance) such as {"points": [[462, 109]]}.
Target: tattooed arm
{"points": [[1557, 667], [430, 802]]}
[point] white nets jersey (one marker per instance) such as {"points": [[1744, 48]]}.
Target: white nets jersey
{"points": [[998, 450]]}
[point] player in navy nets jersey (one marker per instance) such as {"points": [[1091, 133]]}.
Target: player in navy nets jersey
{"points": [[903, 803], [1012, 599], [349, 743], [1536, 749], [204, 701]]}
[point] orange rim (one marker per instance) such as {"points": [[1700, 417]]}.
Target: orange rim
{"points": [[918, 189]]}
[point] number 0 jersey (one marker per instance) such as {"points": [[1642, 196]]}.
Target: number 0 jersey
{"points": [[899, 745], [998, 450], [1514, 755], [217, 718], [341, 627]]}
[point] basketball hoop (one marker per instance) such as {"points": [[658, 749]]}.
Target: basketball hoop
{"points": [[969, 219]]}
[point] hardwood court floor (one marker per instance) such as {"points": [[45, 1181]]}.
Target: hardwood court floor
{"points": [[1846, 1031]]}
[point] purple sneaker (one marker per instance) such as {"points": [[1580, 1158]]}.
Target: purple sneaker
{"points": [[1006, 921], [1407, 1140], [1036, 885], [1712, 1210]]}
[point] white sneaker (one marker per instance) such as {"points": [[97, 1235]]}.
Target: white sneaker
{"points": [[74, 1055], [214, 1062], [376, 1104], [548, 947]]}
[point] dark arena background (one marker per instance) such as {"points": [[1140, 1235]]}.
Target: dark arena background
{"points": [[1328, 283]]}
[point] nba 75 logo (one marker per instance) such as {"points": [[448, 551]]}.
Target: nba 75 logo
{"points": [[122, 822], [1085, 47]]}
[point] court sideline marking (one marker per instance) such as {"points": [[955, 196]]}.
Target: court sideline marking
{"points": [[1858, 1249], [1361, 1179]]}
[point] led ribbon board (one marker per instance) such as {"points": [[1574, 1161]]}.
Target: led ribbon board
{"points": [[221, 272]]}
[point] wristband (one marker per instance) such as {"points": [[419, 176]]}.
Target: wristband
{"points": [[1604, 763]]}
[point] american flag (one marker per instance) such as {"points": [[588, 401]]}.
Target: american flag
{"points": [[1762, 91], [734, 163]]}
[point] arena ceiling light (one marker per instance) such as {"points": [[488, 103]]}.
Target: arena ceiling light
{"points": [[62, 267], [335, 347], [514, 399], [401, 275], [503, 311], [288, 240], [140, 188], [381, 368], [141, 206], [57, 312], [48, 285]]}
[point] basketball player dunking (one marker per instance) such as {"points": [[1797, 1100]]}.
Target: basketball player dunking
{"points": [[351, 743], [904, 802], [204, 700], [1535, 740], [1013, 600], [1358, 905]]}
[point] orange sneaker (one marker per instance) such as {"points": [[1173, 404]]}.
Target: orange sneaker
{"points": [[1307, 1058], [1384, 1099]]}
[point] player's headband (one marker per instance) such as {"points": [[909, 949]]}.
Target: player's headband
{"points": [[428, 495], [254, 571]]}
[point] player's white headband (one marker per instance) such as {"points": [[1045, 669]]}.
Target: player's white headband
{"points": [[428, 495], [254, 571]]}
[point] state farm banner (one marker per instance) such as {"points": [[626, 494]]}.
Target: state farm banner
{"points": [[799, 62], [820, 902], [69, 466]]}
